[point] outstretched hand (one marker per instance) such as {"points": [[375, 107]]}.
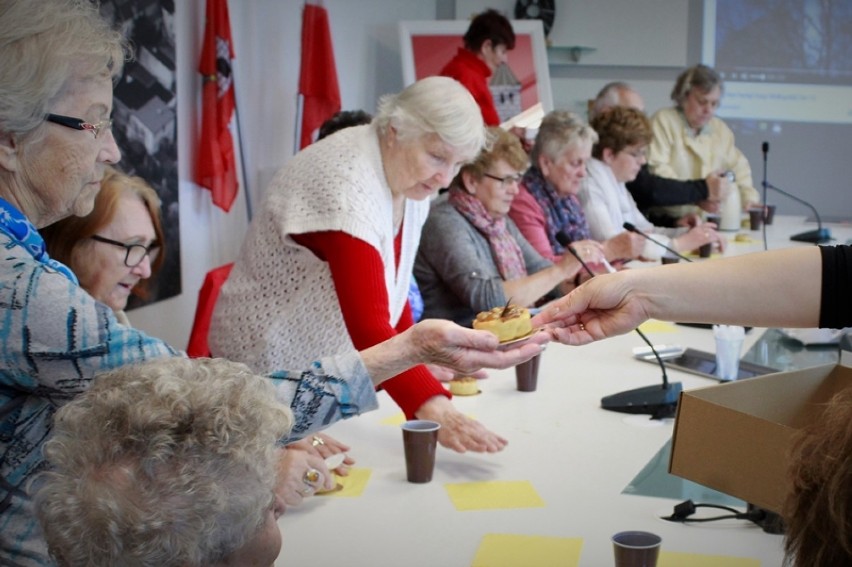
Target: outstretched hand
{"points": [[600, 308]]}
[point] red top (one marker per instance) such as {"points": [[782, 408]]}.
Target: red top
{"points": [[473, 73], [359, 280]]}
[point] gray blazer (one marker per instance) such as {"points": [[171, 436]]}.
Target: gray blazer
{"points": [[455, 269]]}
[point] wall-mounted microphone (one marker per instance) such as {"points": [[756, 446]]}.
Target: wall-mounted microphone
{"points": [[813, 236], [632, 228], [657, 401]]}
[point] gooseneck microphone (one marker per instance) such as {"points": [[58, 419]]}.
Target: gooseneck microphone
{"points": [[632, 228], [764, 147], [657, 401], [817, 236]]}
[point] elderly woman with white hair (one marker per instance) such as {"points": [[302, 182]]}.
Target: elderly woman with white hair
{"points": [[327, 263]]}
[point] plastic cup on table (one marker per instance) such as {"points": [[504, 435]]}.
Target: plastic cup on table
{"points": [[420, 438], [636, 549], [755, 218], [526, 374], [729, 343]]}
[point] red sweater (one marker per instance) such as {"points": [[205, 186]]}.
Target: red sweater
{"points": [[473, 73], [359, 281]]}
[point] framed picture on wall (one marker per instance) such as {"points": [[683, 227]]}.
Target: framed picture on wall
{"points": [[520, 88]]}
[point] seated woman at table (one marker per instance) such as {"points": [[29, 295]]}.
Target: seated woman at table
{"points": [[116, 248], [617, 157], [546, 209], [170, 463], [472, 257], [690, 142]]}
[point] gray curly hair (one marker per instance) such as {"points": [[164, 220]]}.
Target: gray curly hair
{"points": [[168, 463]]}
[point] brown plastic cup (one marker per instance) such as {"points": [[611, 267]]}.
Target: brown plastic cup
{"points": [[526, 374], [706, 250], [755, 218], [636, 549], [420, 438], [770, 214]]}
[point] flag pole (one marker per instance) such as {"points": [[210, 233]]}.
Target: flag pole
{"points": [[246, 191]]}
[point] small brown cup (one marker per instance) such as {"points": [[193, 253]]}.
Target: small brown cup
{"points": [[770, 214], [706, 250], [636, 549], [669, 260], [420, 438], [526, 374], [755, 218]]}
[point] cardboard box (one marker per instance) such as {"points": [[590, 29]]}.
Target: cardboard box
{"points": [[736, 437]]}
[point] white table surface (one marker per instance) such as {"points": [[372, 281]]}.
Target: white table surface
{"points": [[577, 456]]}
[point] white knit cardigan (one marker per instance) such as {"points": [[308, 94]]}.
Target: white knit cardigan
{"points": [[278, 308]]}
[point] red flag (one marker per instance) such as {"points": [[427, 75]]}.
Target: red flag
{"points": [[318, 74], [217, 167]]}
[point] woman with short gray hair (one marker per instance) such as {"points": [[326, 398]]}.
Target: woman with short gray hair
{"points": [[170, 463], [691, 142], [547, 210]]}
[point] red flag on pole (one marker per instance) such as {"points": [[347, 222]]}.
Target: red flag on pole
{"points": [[217, 167], [318, 73]]}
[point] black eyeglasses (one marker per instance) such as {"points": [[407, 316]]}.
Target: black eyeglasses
{"points": [[135, 252], [507, 180], [79, 124]]}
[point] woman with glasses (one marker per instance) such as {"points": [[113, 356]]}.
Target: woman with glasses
{"points": [[690, 141], [472, 256], [617, 157], [546, 210], [117, 247]]}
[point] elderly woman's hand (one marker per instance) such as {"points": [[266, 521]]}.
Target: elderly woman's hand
{"points": [[436, 341], [324, 446], [458, 432], [301, 474]]}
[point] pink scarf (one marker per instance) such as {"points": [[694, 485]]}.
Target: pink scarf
{"points": [[505, 250]]}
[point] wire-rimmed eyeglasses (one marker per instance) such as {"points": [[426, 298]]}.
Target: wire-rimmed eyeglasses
{"points": [[135, 253], [506, 180], [79, 124]]}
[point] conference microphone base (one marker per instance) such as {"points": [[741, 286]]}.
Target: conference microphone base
{"points": [[813, 236], [652, 400]]}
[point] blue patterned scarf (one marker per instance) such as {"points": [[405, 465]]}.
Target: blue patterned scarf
{"points": [[562, 214], [22, 231]]}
